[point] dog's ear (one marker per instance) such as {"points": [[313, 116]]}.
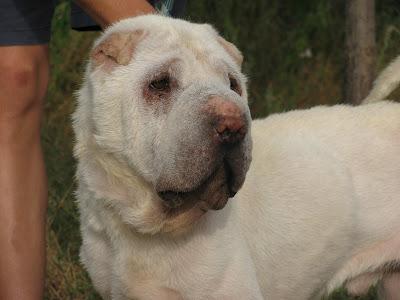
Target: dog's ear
{"points": [[232, 51], [116, 49]]}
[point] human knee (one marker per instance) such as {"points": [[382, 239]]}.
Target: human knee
{"points": [[23, 80]]}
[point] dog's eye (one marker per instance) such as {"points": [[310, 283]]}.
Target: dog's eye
{"points": [[160, 84], [234, 85]]}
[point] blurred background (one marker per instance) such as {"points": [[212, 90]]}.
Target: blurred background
{"points": [[294, 58]]}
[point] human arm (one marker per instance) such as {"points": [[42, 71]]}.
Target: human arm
{"points": [[106, 12]]}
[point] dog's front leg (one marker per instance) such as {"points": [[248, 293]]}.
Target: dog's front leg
{"points": [[144, 291], [161, 293]]}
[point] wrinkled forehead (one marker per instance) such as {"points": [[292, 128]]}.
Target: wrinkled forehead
{"points": [[193, 46], [149, 43], [167, 39]]}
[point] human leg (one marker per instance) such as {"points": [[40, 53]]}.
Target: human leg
{"points": [[23, 197]]}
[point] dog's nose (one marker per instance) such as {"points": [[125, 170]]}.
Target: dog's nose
{"points": [[228, 120]]}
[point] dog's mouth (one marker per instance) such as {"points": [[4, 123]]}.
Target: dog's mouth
{"points": [[214, 192]]}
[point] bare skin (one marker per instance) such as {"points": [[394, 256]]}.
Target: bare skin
{"points": [[23, 81], [23, 199], [106, 12]]}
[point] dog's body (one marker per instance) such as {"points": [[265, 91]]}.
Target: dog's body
{"points": [[320, 205], [327, 197]]}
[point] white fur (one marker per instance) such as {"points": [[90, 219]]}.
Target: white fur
{"points": [[320, 204]]}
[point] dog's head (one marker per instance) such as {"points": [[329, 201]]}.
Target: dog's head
{"points": [[170, 101]]}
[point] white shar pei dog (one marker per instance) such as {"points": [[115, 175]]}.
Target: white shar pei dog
{"points": [[164, 138]]}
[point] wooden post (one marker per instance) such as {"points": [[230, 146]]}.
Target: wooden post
{"points": [[360, 43]]}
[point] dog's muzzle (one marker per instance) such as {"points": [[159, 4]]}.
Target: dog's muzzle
{"points": [[228, 127], [215, 191]]}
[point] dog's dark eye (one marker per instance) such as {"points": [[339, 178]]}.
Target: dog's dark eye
{"points": [[160, 85], [234, 85]]}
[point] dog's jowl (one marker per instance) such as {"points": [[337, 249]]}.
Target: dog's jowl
{"points": [[182, 196]]}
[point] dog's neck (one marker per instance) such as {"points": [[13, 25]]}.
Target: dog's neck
{"points": [[118, 186]]}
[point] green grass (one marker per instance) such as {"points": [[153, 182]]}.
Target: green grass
{"points": [[272, 35]]}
